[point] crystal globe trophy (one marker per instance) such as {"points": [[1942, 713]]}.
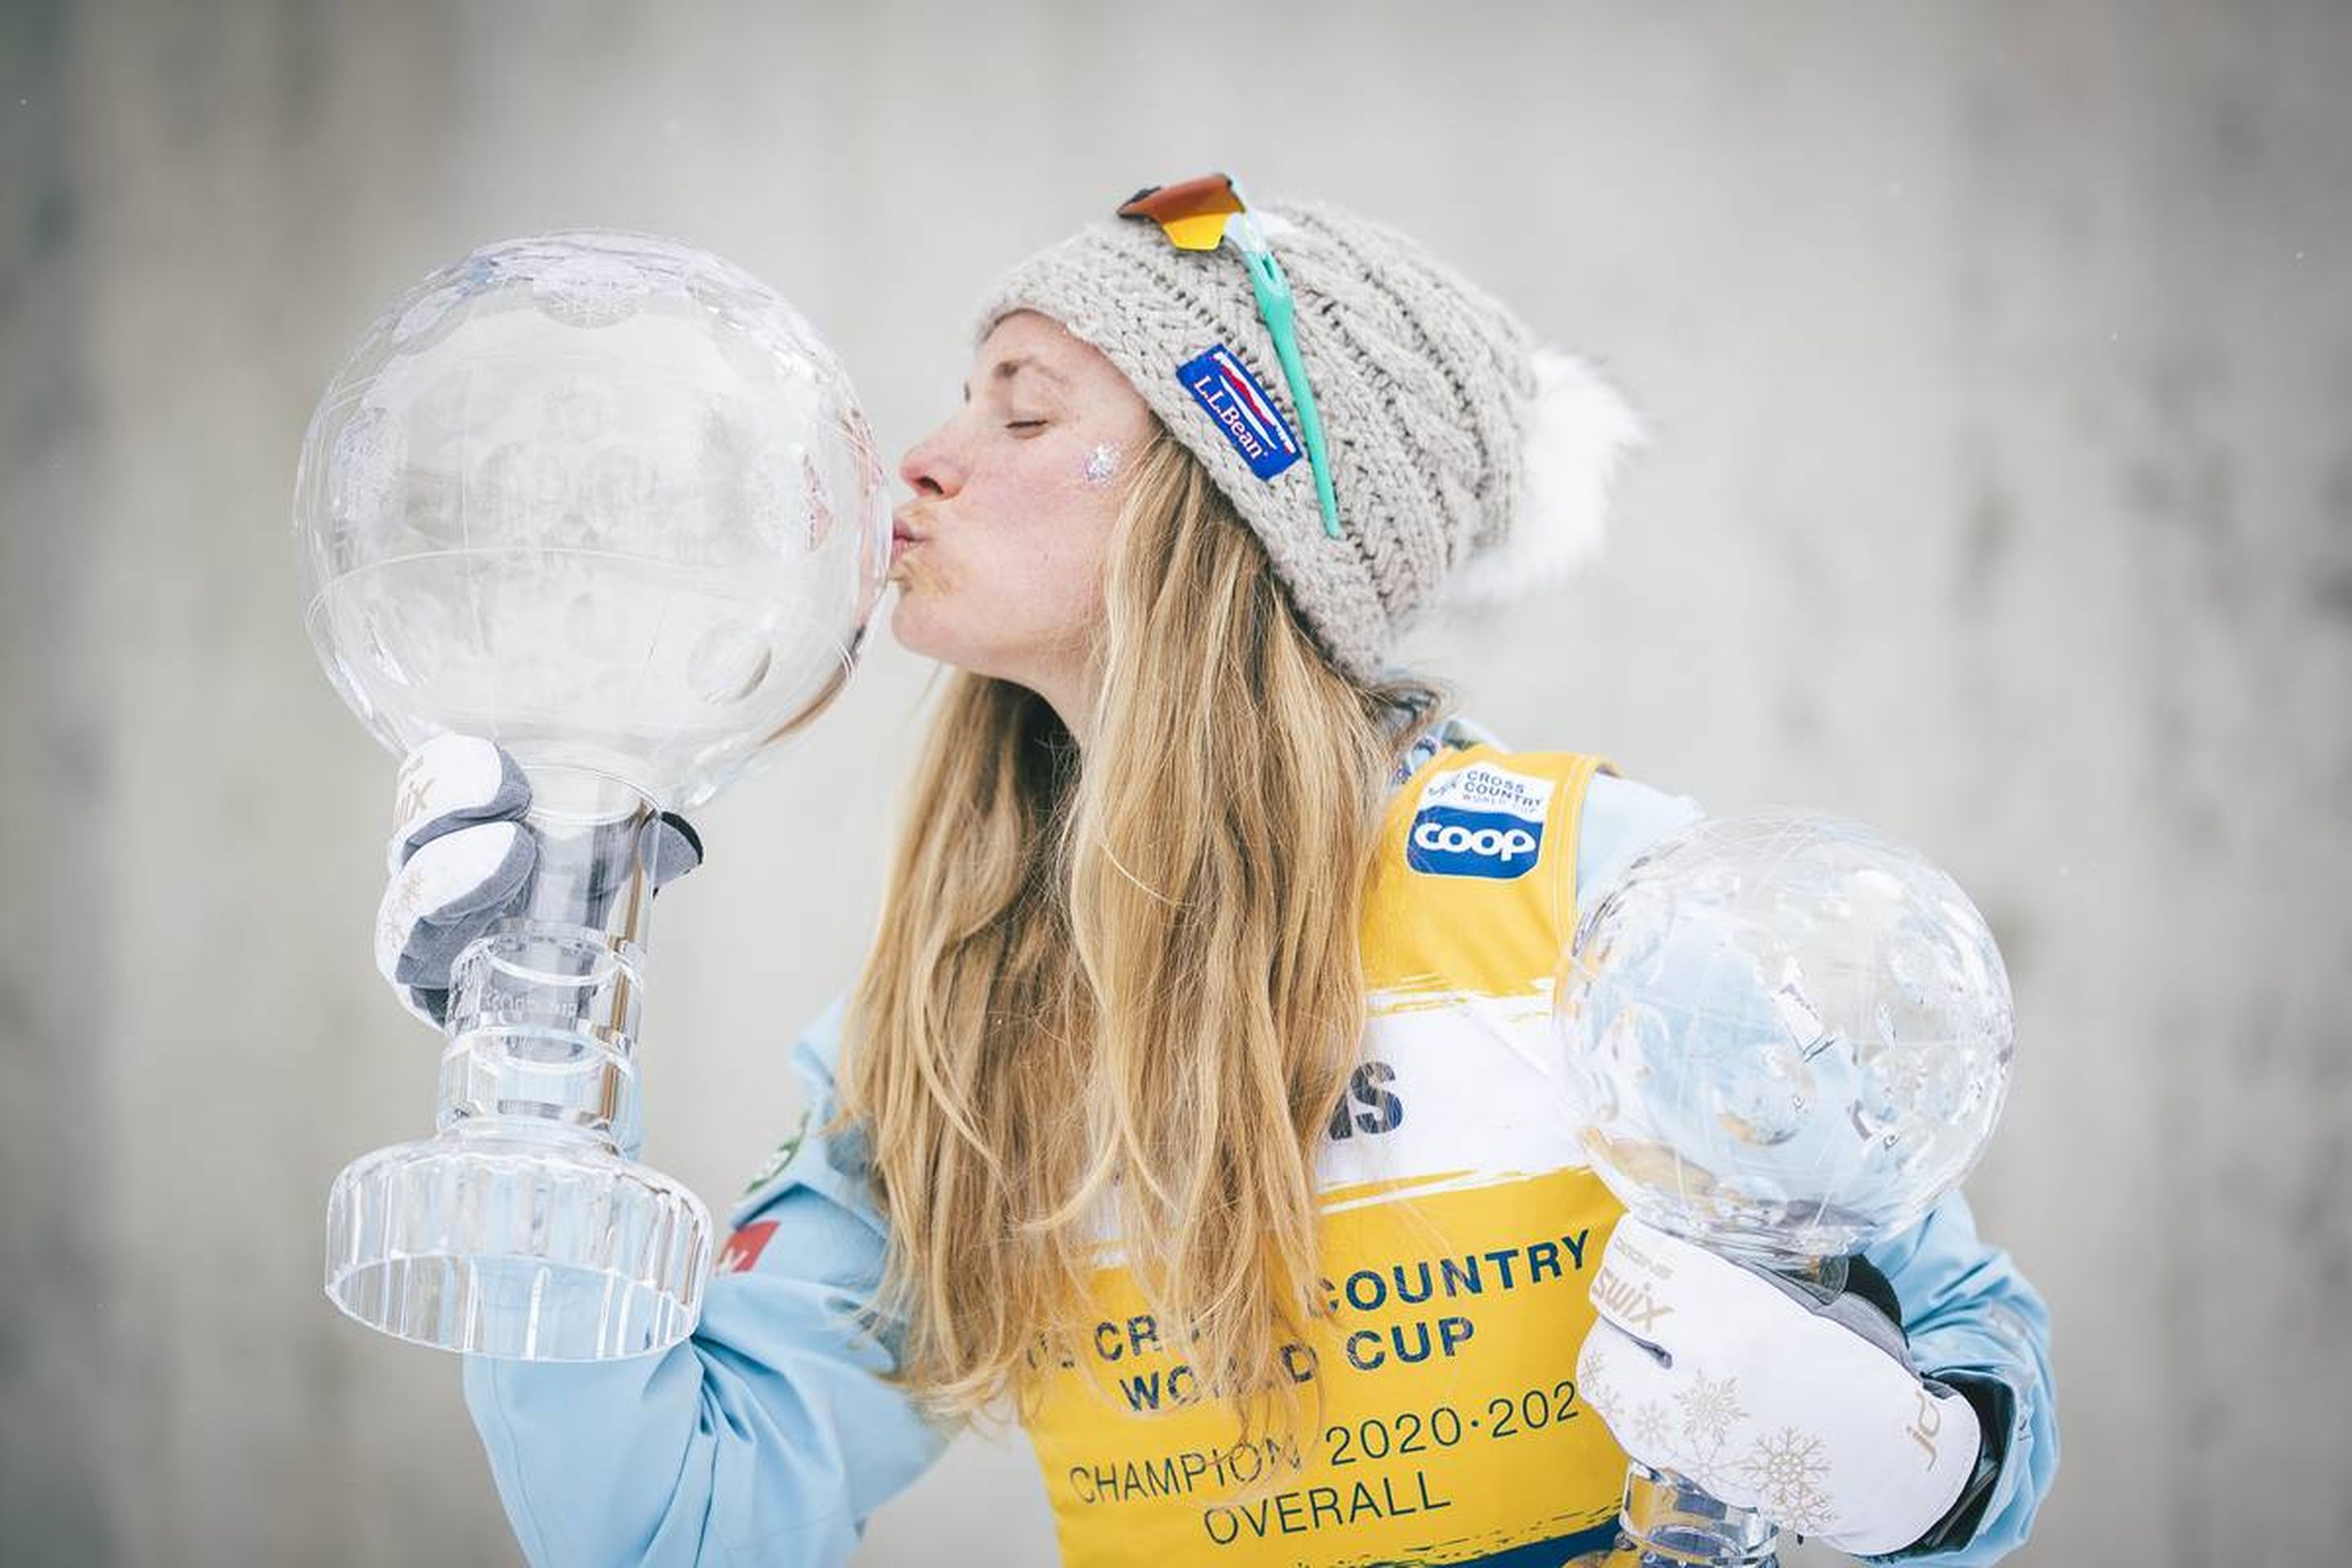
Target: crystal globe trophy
{"points": [[1785, 1039], [609, 501]]}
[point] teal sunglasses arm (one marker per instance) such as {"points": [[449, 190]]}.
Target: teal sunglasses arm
{"points": [[1273, 291]]}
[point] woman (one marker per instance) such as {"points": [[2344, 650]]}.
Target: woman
{"points": [[1193, 1102]]}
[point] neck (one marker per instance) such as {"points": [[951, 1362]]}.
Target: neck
{"points": [[1071, 695]]}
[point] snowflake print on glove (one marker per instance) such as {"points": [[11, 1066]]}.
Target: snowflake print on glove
{"points": [[1789, 1469], [1647, 1425], [1710, 1407], [1592, 1377]]}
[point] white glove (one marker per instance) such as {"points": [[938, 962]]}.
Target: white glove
{"points": [[1771, 1398], [461, 858]]}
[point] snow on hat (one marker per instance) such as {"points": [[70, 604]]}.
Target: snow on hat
{"points": [[1465, 456]]}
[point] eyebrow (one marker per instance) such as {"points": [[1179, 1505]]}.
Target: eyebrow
{"points": [[1007, 369]]}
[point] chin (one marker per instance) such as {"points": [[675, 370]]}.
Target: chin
{"points": [[908, 628], [915, 626]]}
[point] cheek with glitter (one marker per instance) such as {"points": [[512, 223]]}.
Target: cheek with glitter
{"points": [[1102, 463]]}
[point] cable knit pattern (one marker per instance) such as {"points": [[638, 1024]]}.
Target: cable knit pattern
{"points": [[1421, 378]]}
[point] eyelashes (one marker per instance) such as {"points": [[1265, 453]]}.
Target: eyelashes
{"points": [[1025, 425]]}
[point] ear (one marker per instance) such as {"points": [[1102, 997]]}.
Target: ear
{"points": [[1573, 434]]}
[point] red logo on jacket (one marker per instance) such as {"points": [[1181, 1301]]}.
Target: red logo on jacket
{"points": [[743, 1249]]}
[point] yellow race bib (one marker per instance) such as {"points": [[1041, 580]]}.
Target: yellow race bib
{"points": [[1459, 1229]]}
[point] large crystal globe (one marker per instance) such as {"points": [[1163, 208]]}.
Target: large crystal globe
{"points": [[1785, 1036], [602, 497], [607, 501]]}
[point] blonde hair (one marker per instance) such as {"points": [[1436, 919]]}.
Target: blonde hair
{"points": [[1130, 982]]}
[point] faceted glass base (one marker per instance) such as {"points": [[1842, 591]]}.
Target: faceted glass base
{"points": [[504, 1237]]}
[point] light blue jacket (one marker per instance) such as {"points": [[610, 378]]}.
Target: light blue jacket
{"points": [[770, 1435]]}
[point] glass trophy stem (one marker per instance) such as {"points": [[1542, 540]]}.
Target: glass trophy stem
{"points": [[1671, 1522], [524, 1228], [544, 1008]]}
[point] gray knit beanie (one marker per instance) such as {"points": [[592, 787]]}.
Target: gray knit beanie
{"points": [[1463, 456]]}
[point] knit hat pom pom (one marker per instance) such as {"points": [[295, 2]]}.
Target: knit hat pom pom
{"points": [[1572, 434]]}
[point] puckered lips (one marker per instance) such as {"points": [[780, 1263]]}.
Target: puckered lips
{"points": [[904, 536]]}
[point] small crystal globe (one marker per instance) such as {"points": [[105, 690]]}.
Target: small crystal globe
{"points": [[1786, 1037], [602, 497]]}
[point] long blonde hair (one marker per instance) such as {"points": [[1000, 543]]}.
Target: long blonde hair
{"points": [[1127, 988]]}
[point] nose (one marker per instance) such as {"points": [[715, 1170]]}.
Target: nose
{"points": [[931, 467]]}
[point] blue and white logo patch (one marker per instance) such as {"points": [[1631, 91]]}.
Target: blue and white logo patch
{"points": [[1247, 417], [1479, 821]]}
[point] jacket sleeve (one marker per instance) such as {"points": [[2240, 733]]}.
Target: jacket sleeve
{"points": [[771, 1435], [1973, 1320]]}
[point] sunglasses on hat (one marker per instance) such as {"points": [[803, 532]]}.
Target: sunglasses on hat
{"points": [[1203, 214]]}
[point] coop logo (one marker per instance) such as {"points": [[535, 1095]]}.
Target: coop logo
{"points": [[1466, 844], [1481, 821]]}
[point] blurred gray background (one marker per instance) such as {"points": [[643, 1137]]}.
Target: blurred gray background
{"points": [[1998, 359]]}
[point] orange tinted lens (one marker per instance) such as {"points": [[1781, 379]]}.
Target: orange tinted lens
{"points": [[1192, 214]]}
